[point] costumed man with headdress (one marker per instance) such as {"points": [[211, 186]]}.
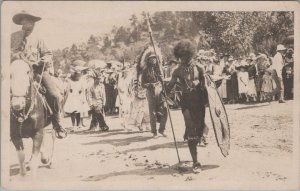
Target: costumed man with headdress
{"points": [[151, 77], [32, 50], [190, 74]]}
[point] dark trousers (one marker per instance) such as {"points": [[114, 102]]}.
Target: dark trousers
{"points": [[157, 108], [97, 118], [54, 103]]}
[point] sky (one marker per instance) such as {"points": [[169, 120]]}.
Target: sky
{"points": [[66, 22]]}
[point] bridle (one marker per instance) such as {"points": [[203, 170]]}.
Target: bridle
{"points": [[23, 115]]}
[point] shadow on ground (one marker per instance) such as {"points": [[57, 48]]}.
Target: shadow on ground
{"points": [[172, 171], [251, 107], [120, 142]]}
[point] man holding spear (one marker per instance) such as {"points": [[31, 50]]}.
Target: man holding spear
{"points": [[194, 95]]}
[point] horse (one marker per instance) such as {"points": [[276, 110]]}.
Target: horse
{"points": [[28, 115]]}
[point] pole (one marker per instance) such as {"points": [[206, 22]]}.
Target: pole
{"points": [[163, 85]]}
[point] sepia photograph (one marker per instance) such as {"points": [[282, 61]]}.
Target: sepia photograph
{"points": [[150, 95]]}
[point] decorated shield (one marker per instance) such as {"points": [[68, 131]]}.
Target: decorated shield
{"points": [[218, 116]]}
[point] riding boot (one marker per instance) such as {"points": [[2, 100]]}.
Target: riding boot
{"points": [[54, 104]]}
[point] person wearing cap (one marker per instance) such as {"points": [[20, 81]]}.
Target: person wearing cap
{"points": [[278, 64], [26, 46], [152, 79], [96, 100]]}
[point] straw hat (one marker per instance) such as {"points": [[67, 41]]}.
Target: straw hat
{"points": [[280, 47]]}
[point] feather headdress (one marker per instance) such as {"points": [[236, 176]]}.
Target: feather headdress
{"points": [[143, 59]]}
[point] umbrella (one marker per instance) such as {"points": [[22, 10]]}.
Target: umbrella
{"points": [[78, 63], [96, 64], [116, 64]]}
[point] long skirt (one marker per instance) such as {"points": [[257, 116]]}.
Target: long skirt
{"points": [[222, 90], [251, 88], [232, 87]]}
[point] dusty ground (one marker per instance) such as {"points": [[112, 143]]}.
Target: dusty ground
{"points": [[261, 156]]}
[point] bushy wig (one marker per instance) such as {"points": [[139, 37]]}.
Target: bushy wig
{"points": [[184, 49]]}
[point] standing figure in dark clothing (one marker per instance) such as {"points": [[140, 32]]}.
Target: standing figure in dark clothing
{"points": [[151, 77], [110, 86], [194, 95], [288, 75], [232, 82]]}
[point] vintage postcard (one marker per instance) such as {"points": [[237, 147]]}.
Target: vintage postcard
{"points": [[150, 95]]}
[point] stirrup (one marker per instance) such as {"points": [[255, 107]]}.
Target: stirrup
{"points": [[60, 130]]}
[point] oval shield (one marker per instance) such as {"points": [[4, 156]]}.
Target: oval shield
{"points": [[218, 116]]}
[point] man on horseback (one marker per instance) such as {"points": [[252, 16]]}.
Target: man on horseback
{"points": [[25, 46]]}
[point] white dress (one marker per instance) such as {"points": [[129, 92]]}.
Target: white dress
{"points": [[74, 102]]}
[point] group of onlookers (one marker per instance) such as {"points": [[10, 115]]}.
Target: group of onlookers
{"points": [[97, 92], [255, 78]]}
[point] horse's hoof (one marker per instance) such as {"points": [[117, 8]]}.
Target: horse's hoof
{"points": [[61, 134], [45, 160]]}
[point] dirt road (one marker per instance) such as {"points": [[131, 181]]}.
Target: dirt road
{"points": [[261, 156]]}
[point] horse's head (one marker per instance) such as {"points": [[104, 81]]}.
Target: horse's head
{"points": [[20, 83]]}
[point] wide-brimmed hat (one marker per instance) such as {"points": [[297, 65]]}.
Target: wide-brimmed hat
{"points": [[249, 58], [80, 68], [261, 56], [17, 18], [280, 47]]}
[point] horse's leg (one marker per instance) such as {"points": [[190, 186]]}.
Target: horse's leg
{"points": [[52, 149], [18, 143], [47, 158], [44, 155], [37, 142], [21, 157]]}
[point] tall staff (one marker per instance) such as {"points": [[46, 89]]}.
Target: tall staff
{"points": [[163, 86]]}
